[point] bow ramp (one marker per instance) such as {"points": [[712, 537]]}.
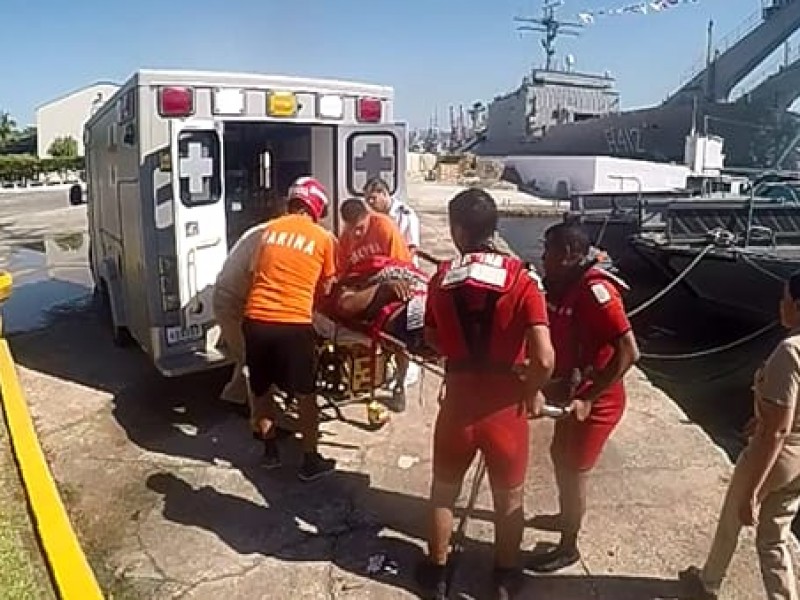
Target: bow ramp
{"points": [[763, 34], [779, 90]]}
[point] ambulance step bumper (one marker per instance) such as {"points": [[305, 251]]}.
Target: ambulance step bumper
{"points": [[178, 365]]}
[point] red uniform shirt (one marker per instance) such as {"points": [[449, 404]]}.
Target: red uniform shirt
{"points": [[585, 322], [518, 303], [583, 325]]}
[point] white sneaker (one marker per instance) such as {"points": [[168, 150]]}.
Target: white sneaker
{"points": [[412, 375]]}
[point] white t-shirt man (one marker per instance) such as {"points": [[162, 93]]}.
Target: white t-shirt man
{"points": [[407, 222]]}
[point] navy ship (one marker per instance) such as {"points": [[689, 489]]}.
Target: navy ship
{"points": [[559, 112]]}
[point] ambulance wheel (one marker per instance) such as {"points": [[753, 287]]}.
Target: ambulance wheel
{"points": [[120, 336]]}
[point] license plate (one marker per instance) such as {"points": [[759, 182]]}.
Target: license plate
{"points": [[179, 335]]}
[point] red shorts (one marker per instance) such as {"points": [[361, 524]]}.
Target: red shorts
{"points": [[578, 444], [501, 435]]}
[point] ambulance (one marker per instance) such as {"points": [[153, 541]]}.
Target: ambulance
{"points": [[175, 163]]}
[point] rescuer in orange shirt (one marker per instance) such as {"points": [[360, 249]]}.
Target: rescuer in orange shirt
{"points": [[294, 263], [370, 235]]}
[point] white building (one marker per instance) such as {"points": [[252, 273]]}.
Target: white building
{"points": [[65, 116]]}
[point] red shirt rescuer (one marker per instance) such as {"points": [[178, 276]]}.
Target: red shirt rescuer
{"points": [[594, 347], [486, 315]]}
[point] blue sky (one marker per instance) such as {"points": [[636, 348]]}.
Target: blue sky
{"points": [[434, 52]]}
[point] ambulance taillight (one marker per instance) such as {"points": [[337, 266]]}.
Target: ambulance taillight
{"points": [[175, 101], [369, 110]]}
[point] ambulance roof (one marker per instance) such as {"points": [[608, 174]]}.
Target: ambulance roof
{"points": [[150, 77]]}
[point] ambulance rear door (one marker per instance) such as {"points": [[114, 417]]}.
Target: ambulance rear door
{"points": [[200, 232], [367, 151]]}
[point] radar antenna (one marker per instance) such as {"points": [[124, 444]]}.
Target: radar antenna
{"points": [[551, 27]]}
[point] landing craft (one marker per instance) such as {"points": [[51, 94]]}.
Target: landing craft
{"points": [[569, 113]]}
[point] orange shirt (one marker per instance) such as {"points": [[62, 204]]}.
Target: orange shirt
{"points": [[294, 256], [382, 238]]}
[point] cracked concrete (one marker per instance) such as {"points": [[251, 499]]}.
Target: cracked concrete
{"points": [[164, 486]]}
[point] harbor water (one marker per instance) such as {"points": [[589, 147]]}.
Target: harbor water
{"points": [[713, 389]]}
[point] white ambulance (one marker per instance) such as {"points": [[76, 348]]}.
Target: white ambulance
{"points": [[173, 164]]}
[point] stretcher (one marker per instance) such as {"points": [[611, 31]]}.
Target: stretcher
{"points": [[354, 364]]}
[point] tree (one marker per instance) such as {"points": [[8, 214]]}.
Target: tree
{"points": [[8, 128], [63, 147]]}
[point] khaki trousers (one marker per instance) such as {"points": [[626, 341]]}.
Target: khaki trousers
{"points": [[228, 312], [772, 533]]}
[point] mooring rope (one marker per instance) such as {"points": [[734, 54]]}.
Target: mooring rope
{"points": [[647, 304], [746, 258], [715, 350]]}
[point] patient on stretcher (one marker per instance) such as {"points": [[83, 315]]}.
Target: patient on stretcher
{"points": [[379, 290], [383, 295]]}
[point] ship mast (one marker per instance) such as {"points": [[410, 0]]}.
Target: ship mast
{"points": [[551, 27]]}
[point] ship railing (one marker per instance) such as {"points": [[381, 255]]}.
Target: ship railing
{"points": [[730, 39], [765, 73]]}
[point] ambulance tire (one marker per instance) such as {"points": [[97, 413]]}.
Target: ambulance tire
{"points": [[120, 336]]}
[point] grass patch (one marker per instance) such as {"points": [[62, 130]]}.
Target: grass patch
{"points": [[23, 575], [20, 577]]}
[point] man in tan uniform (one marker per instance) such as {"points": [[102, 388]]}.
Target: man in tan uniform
{"points": [[230, 295], [765, 488]]}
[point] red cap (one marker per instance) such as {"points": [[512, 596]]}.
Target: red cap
{"points": [[312, 193]]}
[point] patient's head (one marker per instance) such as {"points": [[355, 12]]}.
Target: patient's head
{"points": [[473, 219], [355, 215]]}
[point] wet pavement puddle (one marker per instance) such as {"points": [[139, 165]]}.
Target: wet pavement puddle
{"points": [[50, 274]]}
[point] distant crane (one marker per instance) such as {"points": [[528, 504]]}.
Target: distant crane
{"points": [[551, 27]]}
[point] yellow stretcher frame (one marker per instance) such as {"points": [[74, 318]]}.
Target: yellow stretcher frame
{"points": [[342, 335]]}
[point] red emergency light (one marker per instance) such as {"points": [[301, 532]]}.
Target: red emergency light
{"points": [[175, 101], [369, 110]]}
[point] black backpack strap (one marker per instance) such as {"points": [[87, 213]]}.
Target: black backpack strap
{"points": [[476, 325]]}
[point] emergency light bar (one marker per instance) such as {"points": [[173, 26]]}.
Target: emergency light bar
{"points": [[228, 101], [175, 101], [369, 110], [281, 104], [330, 107]]}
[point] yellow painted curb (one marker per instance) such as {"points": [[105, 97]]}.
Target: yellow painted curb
{"points": [[6, 284], [73, 577]]}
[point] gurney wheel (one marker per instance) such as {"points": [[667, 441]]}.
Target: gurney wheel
{"points": [[377, 414]]}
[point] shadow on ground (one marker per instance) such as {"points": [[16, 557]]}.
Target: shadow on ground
{"points": [[342, 520]]}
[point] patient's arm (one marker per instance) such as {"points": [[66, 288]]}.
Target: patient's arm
{"points": [[353, 303]]}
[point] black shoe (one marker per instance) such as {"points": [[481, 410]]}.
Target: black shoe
{"points": [[243, 410], [281, 433], [506, 583], [315, 466], [432, 580], [554, 523], [554, 560], [272, 455], [693, 586]]}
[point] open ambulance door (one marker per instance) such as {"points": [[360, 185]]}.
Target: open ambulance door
{"points": [[367, 151], [200, 232]]}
